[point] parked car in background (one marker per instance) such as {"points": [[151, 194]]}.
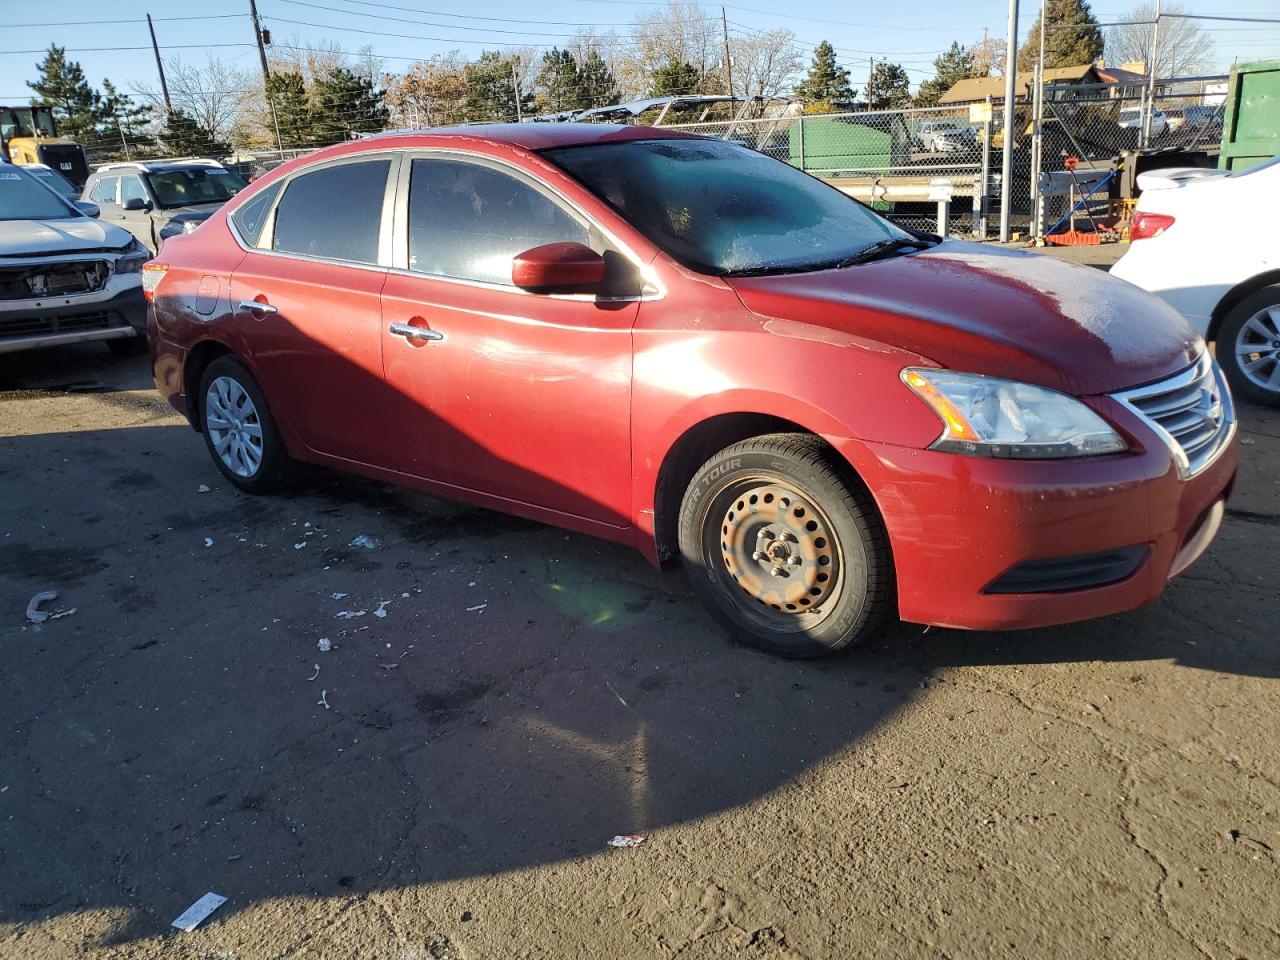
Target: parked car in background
{"points": [[687, 346], [161, 199], [1193, 118], [1204, 242], [1131, 119], [65, 277], [945, 136], [53, 180]]}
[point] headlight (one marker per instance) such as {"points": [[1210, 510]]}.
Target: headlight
{"points": [[134, 256], [989, 417], [175, 227]]}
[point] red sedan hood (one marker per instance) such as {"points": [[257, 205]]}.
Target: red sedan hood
{"points": [[1022, 316]]}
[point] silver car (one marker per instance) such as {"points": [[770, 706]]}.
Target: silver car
{"points": [[64, 276]]}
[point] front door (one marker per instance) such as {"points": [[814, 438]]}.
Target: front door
{"points": [[138, 221], [524, 397], [308, 300]]}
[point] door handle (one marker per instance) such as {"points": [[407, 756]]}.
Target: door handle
{"points": [[410, 332], [257, 306]]}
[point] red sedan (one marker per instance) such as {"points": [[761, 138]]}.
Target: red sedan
{"points": [[683, 345]]}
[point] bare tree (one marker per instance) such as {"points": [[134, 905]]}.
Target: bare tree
{"points": [[1183, 48], [765, 63], [215, 95], [431, 93], [680, 32], [988, 56]]}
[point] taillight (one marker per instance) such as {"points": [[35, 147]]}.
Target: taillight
{"points": [[1147, 225], [152, 274]]}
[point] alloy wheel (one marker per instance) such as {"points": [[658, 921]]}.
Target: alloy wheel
{"points": [[1257, 348], [235, 428]]}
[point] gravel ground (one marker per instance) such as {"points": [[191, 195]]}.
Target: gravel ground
{"points": [[504, 698]]}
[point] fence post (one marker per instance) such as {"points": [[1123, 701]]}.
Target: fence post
{"points": [[984, 198], [801, 139]]}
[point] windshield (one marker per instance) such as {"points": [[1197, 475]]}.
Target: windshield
{"points": [[56, 181], [194, 185], [721, 208], [22, 197]]}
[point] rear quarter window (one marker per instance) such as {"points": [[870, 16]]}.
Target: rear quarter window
{"points": [[334, 213], [252, 214]]}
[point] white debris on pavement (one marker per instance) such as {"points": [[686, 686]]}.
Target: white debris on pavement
{"points": [[338, 596], [34, 613], [324, 645], [351, 614], [478, 606], [316, 674], [627, 840], [364, 540], [198, 912], [208, 541], [203, 488], [381, 611], [324, 699]]}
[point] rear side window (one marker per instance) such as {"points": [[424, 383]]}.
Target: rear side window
{"points": [[334, 213], [253, 214], [105, 191], [468, 221]]}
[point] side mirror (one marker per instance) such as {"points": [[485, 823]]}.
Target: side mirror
{"points": [[135, 203], [558, 268], [87, 208]]}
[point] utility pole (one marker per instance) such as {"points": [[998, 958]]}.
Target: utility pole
{"points": [[1151, 80], [164, 84], [1037, 114], [1010, 92], [257, 35], [515, 83], [871, 78], [728, 58]]}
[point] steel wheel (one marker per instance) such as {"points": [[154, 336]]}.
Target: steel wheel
{"points": [[1257, 348], [235, 428], [780, 550]]}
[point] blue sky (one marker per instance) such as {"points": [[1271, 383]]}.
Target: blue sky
{"points": [[858, 30]]}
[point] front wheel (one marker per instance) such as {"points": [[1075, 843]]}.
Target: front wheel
{"points": [[239, 430], [785, 548], [1248, 347]]}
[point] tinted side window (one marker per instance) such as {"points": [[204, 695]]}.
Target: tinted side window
{"points": [[106, 190], [468, 221], [253, 214], [335, 213], [131, 187]]}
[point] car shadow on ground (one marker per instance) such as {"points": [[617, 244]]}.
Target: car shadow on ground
{"points": [[527, 695]]}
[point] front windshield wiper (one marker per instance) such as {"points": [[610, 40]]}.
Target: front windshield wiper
{"points": [[884, 248]]}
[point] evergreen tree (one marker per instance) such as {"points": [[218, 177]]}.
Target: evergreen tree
{"points": [[560, 83], [183, 137], [827, 82], [674, 79], [123, 122], [77, 108], [599, 85], [1075, 39], [343, 103], [890, 87], [954, 64], [287, 100], [491, 92]]}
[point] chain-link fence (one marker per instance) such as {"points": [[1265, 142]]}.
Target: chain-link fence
{"points": [[1088, 131], [901, 162]]}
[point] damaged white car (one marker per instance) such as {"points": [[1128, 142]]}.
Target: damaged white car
{"points": [[64, 276]]}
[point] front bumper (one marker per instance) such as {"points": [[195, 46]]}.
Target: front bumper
{"points": [[116, 312], [957, 525]]}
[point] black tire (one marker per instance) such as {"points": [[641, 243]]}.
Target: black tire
{"points": [[1243, 388], [128, 346], [820, 519], [275, 469]]}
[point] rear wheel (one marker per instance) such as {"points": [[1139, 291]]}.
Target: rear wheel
{"points": [[785, 548], [239, 430], [1248, 347]]}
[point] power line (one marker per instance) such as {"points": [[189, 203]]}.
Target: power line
{"points": [[117, 20], [167, 46]]}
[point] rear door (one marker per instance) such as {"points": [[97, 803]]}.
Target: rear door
{"points": [[523, 397], [307, 301]]}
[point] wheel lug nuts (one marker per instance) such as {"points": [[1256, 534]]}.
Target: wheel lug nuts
{"points": [[758, 556], [794, 561], [776, 571]]}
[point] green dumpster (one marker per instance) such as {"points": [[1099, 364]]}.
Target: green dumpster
{"points": [[1251, 124]]}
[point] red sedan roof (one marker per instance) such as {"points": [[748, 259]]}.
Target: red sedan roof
{"points": [[544, 136]]}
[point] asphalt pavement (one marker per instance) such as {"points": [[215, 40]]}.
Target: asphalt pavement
{"points": [[498, 699]]}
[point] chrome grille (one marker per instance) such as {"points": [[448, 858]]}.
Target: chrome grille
{"points": [[1191, 411]]}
